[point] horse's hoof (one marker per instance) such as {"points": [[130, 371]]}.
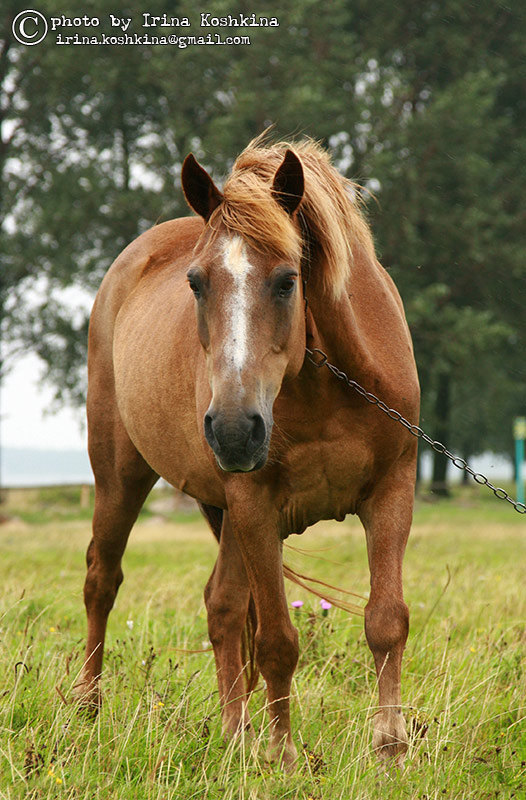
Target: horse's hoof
{"points": [[390, 748], [285, 755], [235, 726], [88, 698]]}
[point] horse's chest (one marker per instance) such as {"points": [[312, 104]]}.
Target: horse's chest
{"points": [[324, 480]]}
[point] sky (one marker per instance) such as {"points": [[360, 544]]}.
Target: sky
{"points": [[24, 412], [28, 416]]}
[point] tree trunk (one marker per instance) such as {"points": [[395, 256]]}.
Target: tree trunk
{"points": [[442, 412], [465, 475]]}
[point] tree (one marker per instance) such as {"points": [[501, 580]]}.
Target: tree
{"points": [[447, 97], [422, 102], [75, 132]]}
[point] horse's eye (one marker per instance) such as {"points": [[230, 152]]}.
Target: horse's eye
{"points": [[286, 287], [195, 282]]}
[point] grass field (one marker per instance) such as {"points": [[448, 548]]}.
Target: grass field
{"points": [[158, 734]]}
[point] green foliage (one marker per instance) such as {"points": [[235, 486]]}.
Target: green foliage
{"points": [[446, 116]]}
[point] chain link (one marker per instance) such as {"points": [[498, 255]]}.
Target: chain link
{"points": [[320, 359]]}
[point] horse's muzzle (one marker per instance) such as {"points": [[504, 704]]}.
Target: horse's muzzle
{"points": [[240, 442]]}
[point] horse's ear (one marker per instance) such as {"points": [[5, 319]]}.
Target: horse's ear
{"points": [[202, 195], [288, 184]]}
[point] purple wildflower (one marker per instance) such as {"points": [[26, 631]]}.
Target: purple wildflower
{"points": [[325, 605]]}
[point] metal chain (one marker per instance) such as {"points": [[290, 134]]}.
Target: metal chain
{"points": [[320, 359]]}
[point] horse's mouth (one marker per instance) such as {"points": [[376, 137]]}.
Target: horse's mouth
{"points": [[236, 468]]}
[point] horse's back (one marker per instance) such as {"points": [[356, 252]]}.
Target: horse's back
{"points": [[169, 243]]}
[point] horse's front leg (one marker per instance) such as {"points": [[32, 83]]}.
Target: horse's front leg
{"points": [[387, 518], [227, 597], [276, 641]]}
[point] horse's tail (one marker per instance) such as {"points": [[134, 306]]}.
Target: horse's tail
{"points": [[214, 517], [304, 580]]}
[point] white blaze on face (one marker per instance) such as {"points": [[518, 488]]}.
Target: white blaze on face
{"points": [[239, 267]]}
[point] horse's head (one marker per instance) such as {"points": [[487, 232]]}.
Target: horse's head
{"points": [[249, 309]]}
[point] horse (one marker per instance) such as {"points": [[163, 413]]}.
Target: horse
{"points": [[197, 372]]}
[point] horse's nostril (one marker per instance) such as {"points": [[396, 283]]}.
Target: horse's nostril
{"points": [[209, 433], [259, 431]]}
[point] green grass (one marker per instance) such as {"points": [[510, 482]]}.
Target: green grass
{"points": [[158, 734]]}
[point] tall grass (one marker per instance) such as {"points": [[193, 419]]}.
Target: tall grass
{"points": [[158, 735]]}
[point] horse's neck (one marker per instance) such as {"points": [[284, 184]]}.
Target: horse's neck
{"points": [[332, 326]]}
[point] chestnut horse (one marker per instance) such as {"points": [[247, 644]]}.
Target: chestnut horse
{"points": [[197, 373]]}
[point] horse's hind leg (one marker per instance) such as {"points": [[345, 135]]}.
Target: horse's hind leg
{"points": [[386, 516], [122, 482], [227, 598]]}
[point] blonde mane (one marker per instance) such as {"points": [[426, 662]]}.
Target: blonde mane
{"points": [[335, 225]]}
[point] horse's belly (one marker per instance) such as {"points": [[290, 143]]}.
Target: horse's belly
{"points": [[172, 450], [156, 396], [168, 452]]}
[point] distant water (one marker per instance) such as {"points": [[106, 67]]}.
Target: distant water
{"points": [[28, 467], [32, 467], [494, 466]]}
